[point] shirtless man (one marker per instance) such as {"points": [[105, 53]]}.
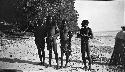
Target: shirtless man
{"points": [[51, 38], [64, 40]]}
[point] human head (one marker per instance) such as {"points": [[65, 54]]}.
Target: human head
{"points": [[123, 28], [85, 23]]}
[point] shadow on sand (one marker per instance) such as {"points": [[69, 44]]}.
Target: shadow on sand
{"points": [[36, 63], [23, 61], [10, 70]]}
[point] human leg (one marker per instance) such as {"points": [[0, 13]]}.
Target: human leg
{"points": [[49, 47], [83, 52], [88, 55], [55, 50], [67, 58], [39, 49], [62, 51]]}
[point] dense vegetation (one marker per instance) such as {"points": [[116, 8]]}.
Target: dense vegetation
{"points": [[24, 13]]}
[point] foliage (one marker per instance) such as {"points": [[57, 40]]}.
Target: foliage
{"points": [[33, 11]]}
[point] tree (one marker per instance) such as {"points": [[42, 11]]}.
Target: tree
{"points": [[33, 10], [7, 11], [10, 14]]}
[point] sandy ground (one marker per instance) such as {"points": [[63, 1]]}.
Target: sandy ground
{"points": [[20, 55]]}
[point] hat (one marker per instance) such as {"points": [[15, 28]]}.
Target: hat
{"points": [[123, 27], [84, 22]]}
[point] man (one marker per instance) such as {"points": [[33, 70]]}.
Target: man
{"points": [[40, 34], [118, 56], [51, 38], [86, 34], [64, 42]]}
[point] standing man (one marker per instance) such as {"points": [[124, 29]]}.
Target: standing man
{"points": [[86, 34], [40, 33], [118, 56], [51, 38], [64, 41]]}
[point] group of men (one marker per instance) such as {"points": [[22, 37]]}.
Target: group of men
{"points": [[50, 31]]}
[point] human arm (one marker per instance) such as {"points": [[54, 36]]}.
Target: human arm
{"points": [[90, 34]]}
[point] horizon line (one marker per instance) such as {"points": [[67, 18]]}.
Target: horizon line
{"points": [[107, 31]]}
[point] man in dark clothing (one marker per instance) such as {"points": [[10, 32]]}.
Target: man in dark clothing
{"points": [[64, 40], [40, 34], [85, 33], [118, 56], [51, 38]]}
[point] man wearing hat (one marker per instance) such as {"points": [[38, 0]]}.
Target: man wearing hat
{"points": [[118, 56], [86, 34]]}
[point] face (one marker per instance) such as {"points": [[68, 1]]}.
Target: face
{"points": [[85, 25]]}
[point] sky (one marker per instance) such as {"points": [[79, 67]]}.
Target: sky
{"points": [[102, 15]]}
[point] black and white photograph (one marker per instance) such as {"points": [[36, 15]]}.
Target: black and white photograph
{"points": [[62, 36]]}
